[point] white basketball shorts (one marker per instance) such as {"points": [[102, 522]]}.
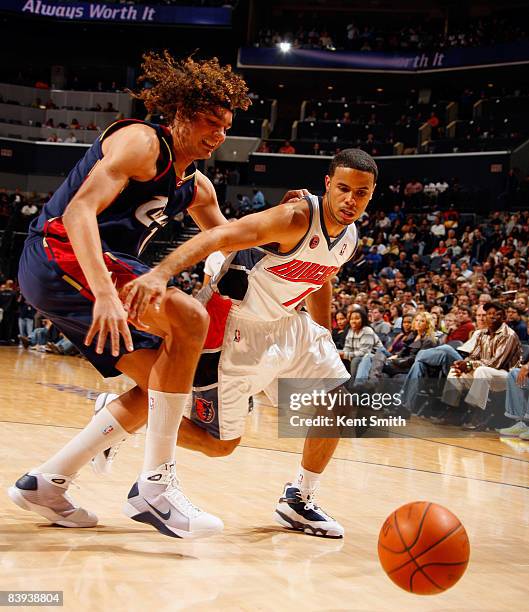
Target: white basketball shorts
{"points": [[242, 357]]}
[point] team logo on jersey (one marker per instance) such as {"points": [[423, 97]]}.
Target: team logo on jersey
{"points": [[298, 271], [342, 250], [108, 429], [204, 409], [314, 241], [237, 336], [153, 212]]}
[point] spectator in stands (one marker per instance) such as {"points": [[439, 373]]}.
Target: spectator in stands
{"points": [[438, 358], [381, 327], [26, 317], [464, 326], [62, 347], [496, 351], [109, 108], [70, 138], [339, 333], [16, 200], [244, 204], [8, 306], [5, 209], [404, 337], [438, 229], [28, 211], [412, 190], [522, 302], [422, 338], [517, 403], [395, 316], [75, 125], [38, 338], [361, 343], [258, 200], [287, 148], [433, 122], [516, 323], [263, 147], [436, 322]]}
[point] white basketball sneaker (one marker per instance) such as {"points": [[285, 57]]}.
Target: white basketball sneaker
{"points": [[157, 499], [46, 495], [297, 510], [102, 462]]}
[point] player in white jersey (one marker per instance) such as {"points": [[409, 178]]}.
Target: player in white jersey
{"points": [[257, 331]]}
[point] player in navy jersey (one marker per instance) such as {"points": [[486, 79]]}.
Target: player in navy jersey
{"points": [[84, 247]]}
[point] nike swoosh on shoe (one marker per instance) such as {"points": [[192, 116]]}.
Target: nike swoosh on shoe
{"points": [[165, 515]]}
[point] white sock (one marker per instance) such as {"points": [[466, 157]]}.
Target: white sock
{"points": [[102, 431], [307, 480], [165, 415]]}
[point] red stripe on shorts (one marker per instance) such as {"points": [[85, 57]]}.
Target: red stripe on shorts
{"points": [[59, 250], [218, 309]]}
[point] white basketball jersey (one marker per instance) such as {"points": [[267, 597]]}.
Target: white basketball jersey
{"points": [[266, 285]]}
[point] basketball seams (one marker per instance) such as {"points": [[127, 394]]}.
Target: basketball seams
{"points": [[407, 548], [412, 559], [440, 563], [423, 552]]}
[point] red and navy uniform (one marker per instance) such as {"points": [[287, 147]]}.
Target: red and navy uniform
{"points": [[50, 276]]}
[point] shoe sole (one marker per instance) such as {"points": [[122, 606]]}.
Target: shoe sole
{"points": [[18, 499], [293, 525], [150, 519]]}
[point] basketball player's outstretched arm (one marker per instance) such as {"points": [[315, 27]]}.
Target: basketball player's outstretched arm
{"points": [[129, 153], [284, 225], [205, 209]]}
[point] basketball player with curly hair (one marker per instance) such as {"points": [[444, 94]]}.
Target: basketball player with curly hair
{"points": [[84, 247]]}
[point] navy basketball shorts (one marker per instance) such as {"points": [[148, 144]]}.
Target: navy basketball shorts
{"points": [[242, 357], [52, 281]]}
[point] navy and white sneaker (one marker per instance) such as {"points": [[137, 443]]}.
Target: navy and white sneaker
{"points": [[157, 499], [102, 462], [46, 494], [297, 510]]}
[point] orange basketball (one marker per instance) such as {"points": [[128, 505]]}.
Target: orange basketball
{"points": [[423, 548]]}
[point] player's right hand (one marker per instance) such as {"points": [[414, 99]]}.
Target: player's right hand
{"points": [[139, 293], [109, 318]]}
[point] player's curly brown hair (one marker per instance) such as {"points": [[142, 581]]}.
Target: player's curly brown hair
{"points": [[189, 86]]}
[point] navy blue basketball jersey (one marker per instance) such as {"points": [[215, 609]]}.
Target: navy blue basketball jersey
{"points": [[141, 209]]}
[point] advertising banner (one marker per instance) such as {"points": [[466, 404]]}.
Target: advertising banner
{"points": [[122, 13]]}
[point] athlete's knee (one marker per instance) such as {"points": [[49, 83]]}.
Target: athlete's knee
{"points": [[186, 317], [222, 448]]}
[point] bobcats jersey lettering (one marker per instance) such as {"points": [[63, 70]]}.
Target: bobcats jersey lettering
{"points": [[266, 285], [303, 271]]}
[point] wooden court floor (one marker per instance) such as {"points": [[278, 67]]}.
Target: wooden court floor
{"points": [[254, 564]]}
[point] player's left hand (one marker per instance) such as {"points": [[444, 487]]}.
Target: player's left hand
{"points": [[293, 195], [139, 293]]}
